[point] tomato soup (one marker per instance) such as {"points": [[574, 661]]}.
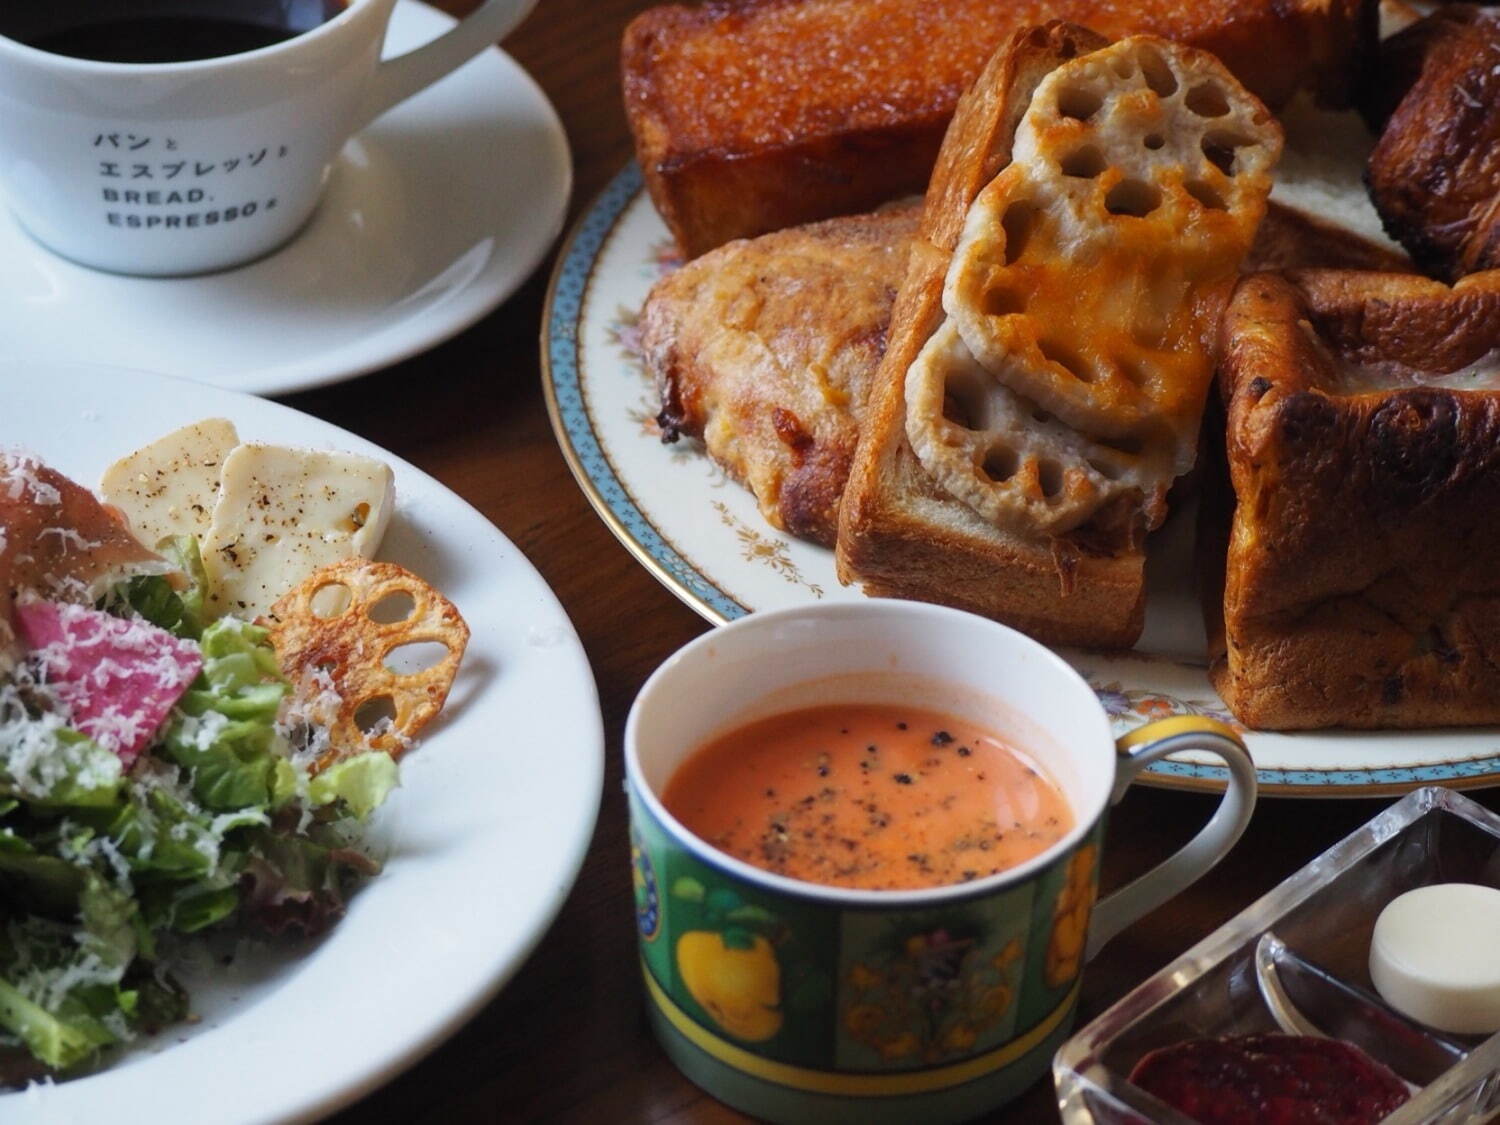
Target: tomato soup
{"points": [[873, 796]]}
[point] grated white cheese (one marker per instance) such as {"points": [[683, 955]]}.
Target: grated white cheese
{"points": [[36, 760], [53, 986], [200, 731], [307, 712], [61, 967], [19, 471], [115, 1022], [72, 538], [387, 726], [106, 847]]}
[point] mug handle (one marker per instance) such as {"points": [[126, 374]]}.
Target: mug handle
{"points": [[1137, 750], [399, 78]]}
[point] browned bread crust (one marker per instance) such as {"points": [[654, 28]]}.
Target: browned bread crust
{"points": [[1361, 584], [1434, 175], [900, 535], [753, 115], [765, 349], [1289, 239]]}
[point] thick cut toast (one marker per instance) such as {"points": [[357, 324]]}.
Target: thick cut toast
{"points": [[754, 115], [1012, 458], [1361, 587], [765, 349]]}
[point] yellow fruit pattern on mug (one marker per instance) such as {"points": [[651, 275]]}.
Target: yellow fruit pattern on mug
{"points": [[898, 1048], [739, 988], [930, 997], [995, 1000], [960, 1037], [1070, 918]]}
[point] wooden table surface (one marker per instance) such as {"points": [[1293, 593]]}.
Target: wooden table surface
{"points": [[567, 1039]]}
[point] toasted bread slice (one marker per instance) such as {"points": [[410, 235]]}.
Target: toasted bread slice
{"points": [[1008, 464], [754, 115], [765, 350]]}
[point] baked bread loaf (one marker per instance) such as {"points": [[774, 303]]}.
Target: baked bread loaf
{"points": [[1050, 347], [1361, 586], [1434, 175], [765, 349], [754, 115]]}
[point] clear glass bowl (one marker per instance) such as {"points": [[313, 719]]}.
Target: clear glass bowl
{"points": [[1321, 918]]}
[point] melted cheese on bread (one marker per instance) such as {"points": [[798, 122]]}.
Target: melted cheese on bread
{"points": [[1088, 281]]}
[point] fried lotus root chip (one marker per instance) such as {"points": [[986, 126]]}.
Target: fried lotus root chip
{"points": [[338, 635], [1139, 175], [1086, 285], [1042, 475]]}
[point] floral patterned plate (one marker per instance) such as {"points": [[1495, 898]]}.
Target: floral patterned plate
{"points": [[701, 534]]}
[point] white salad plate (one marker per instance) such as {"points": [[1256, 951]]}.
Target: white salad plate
{"points": [[434, 215], [703, 536], [481, 842]]}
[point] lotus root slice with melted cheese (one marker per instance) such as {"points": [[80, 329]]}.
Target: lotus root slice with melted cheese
{"points": [[1081, 299]]}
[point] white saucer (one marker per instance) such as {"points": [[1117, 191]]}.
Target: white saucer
{"points": [[434, 215]]}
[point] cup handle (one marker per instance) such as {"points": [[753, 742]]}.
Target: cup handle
{"points": [[399, 78], [1137, 750]]}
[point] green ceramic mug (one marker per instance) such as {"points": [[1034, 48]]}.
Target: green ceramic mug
{"points": [[798, 1002]]}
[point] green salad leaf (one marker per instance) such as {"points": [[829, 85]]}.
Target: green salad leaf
{"points": [[225, 733], [60, 1041], [108, 932], [362, 783], [152, 596], [60, 984], [219, 822], [47, 763], [36, 881]]}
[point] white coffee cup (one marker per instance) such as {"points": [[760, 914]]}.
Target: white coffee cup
{"points": [[187, 167]]}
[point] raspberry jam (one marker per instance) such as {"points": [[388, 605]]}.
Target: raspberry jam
{"points": [[1271, 1080]]}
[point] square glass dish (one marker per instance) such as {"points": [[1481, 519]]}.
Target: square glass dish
{"points": [[1297, 961]]}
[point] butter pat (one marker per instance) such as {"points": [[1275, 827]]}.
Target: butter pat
{"points": [[170, 486], [283, 513], [1435, 956]]}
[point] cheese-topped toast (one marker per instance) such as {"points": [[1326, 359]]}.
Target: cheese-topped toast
{"points": [[754, 115], [765, 348], [1050, 349]]}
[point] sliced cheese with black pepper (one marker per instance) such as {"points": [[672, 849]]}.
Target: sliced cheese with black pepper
{"points": [[170, 486], [283, 513]]}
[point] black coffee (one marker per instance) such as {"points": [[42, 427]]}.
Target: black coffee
{"points": [[160, 39], [160, 31]]}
